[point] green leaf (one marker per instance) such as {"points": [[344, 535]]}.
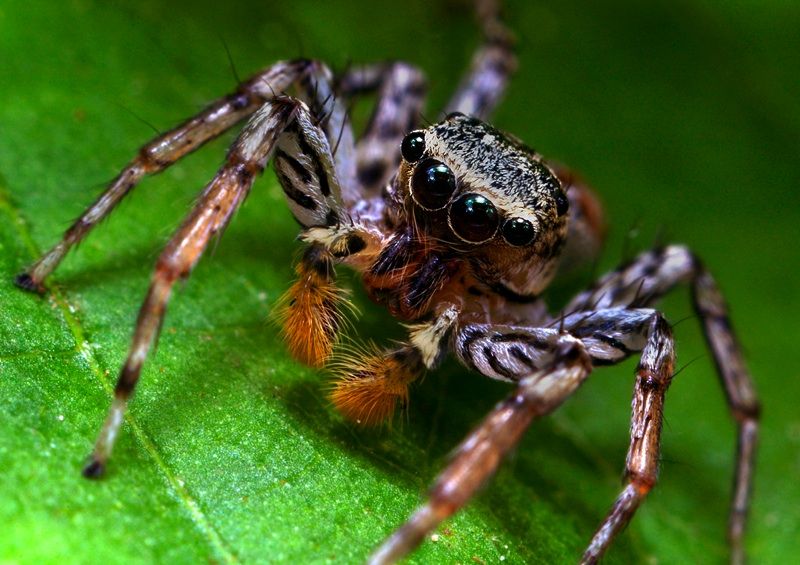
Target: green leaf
{"points": [[683, 116]]}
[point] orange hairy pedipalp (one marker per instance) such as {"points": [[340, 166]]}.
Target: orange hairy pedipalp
{"points": [[370, 383], [310, 312]]}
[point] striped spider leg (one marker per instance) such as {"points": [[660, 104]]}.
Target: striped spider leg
{"points": [[278, 125], [607, 324]]}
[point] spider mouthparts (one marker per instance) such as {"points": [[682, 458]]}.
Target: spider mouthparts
{"points": [[26, 282], [93, 469]]}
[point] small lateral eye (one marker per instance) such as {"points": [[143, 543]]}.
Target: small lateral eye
{"points": [[562, 203], [413, 146], [518, 231], [433, 184], [474, 218]]}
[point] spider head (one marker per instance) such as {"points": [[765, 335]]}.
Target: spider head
{"points": [[480, 194]]}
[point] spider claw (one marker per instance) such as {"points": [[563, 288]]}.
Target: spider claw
{"points": [[25, 282], [94, 468]]}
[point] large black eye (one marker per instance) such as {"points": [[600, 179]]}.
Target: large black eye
{"points": [[474, 218], [433, 184], [413, 146], [518, 231], [562, 203]]}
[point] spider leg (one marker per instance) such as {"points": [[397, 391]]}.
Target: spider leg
{"points": [[653, 376], [165, 150], [320, 90], [400, 98], [479, 455], [308, 169], [641, 283], [492, 65], [279, 118], [371, 383]]}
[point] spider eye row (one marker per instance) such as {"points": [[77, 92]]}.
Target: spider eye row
{"points": [[472, 217]]}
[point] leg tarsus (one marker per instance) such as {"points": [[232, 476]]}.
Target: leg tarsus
{"points": [[93, 469], [26, 282]]}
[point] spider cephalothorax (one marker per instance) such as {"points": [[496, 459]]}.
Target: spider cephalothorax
{"points": [[456, 229], [472, 208]]}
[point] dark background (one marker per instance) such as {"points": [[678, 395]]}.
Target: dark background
{"points": [[683, 115]]}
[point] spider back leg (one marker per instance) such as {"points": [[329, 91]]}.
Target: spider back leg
{"points": [[162, 152], [400, 98], [492, 65], [246, 158], [642, 282]]}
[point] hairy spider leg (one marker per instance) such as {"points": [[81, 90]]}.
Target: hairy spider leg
{"points": [[400, 98], [247, 158], [653, 377], [492, 65], [319, 89], [646, 279], [310, 312], [311, 309], [163, 151], [479, 455]]}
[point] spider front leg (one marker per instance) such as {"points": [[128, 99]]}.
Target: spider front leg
{"points": [[479, 455], [247, 158], [648, 278], [162, 152], [653, 377]]}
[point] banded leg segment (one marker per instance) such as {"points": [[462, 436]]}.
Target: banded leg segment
{"points": [[211, 214], [162, 152], [318, 88], [307, 173], [492, 65], [653, 377], [479, 455], [401, 96], [645, 280]]}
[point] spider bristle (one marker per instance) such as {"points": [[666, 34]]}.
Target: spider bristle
{"points": [[311, 314], [370, 384]]}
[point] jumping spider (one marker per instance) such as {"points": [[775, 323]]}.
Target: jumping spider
{"points": [[456, 228]]}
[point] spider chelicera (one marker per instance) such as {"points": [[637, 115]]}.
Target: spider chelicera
{"points": [[456, 228]]}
